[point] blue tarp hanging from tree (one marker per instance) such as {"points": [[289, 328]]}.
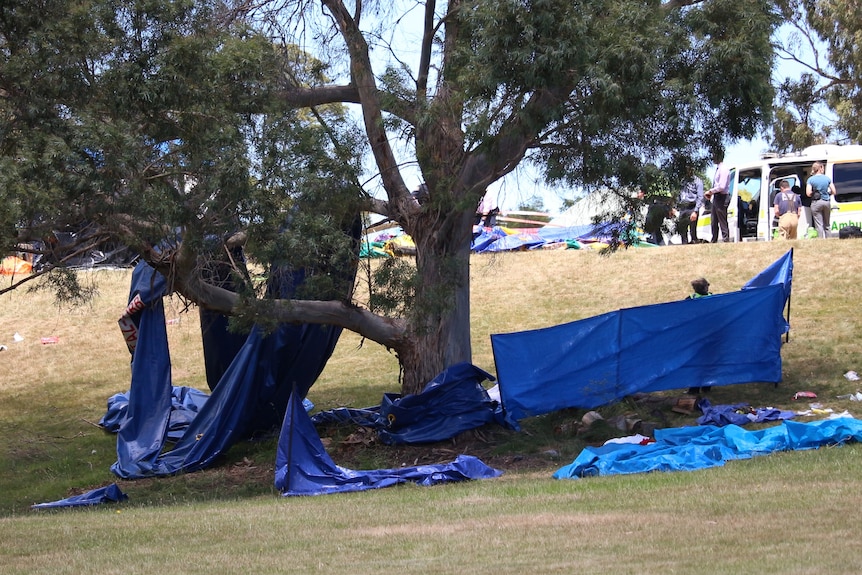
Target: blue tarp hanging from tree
{"points": [[736, 338], [250, 396]]}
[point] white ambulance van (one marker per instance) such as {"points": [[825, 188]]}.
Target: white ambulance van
{"points": [[753, 187]]}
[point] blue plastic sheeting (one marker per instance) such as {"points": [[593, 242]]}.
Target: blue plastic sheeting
{"points": [[251, 395], [303, 467], [738, 414], [362, 416], [451, 403], [733, 338], [497, 240], [186, 402], [690, 448], [108, 494]]}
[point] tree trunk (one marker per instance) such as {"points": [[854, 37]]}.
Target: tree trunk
{"points": [[440, 331]]}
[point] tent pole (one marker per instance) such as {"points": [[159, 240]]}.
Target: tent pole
{"points": [[789, 295]]}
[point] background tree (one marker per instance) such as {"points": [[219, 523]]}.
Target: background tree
{"points": [[145, 117], [795, 123], [825, 42]]}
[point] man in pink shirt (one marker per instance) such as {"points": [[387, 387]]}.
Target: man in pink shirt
{"points": [[719, 195]]}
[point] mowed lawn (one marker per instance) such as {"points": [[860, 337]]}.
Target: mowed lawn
{"points": [[784, 513]]}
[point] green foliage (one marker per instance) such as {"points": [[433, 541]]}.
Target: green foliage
{"points": [[67, 287], [150, 117], [395, 287], [642, 83], [795, 125], [834, 24]]}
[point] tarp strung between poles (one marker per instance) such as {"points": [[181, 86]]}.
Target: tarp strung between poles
{"points": [[690, 448], [599, 360], [303, 467]]}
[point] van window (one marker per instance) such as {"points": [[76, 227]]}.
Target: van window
{"points": [[848, 181]]}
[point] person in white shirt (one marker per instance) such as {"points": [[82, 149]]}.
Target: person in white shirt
{"points": [[720, 198]]}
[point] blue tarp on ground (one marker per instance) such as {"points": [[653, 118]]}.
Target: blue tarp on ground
{"points": [[738, 414], [735, 338], [690, 448], [250, 396], [449, 404], [303, 467], [107, 494]]}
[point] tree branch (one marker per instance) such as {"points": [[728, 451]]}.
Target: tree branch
{"points": [[362, 78]]}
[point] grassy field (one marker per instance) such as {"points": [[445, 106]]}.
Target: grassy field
{"points": [[786, 513]]}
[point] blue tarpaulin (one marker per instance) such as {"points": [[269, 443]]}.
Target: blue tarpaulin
{"points": [[303, 467], [449, 404], [108, 494], [738, 414], [736, 338], [690, 448], [251, 395], [186, 402]]}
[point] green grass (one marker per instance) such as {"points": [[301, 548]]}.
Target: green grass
{"points": [[784, 513]]}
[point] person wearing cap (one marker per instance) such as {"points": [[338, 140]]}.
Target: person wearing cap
{"points": [[701, 289], [788, 208]]}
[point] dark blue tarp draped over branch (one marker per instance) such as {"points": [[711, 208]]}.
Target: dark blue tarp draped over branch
{"points": [[251, 395], [733, 338]]}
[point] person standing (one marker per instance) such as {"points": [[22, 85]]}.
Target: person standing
{"points": [[718, 194], [820, 189], [690, 202], [788, 208], [659, 210]]}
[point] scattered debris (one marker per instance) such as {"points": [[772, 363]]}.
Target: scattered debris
{"points": [[684, 405], [805, 394], [49, 340], [17, 337], [852, 396], [852, 376]]}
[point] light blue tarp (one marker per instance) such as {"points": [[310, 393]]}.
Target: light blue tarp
{"points": [[723, 339], [690, 448], [108, 494], [303, 467]]}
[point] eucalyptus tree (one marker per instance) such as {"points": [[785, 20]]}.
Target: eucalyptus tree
{"points": [[825, 43], [591, 92]]}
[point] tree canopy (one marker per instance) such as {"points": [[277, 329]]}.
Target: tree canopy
{"points": [[824, 102], [186, 127]]}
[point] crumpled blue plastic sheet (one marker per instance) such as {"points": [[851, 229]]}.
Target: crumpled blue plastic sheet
{"points": [[451, 403], [303, 467], [738, 414], [107, 494], [186, 402], [700, 447]]}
